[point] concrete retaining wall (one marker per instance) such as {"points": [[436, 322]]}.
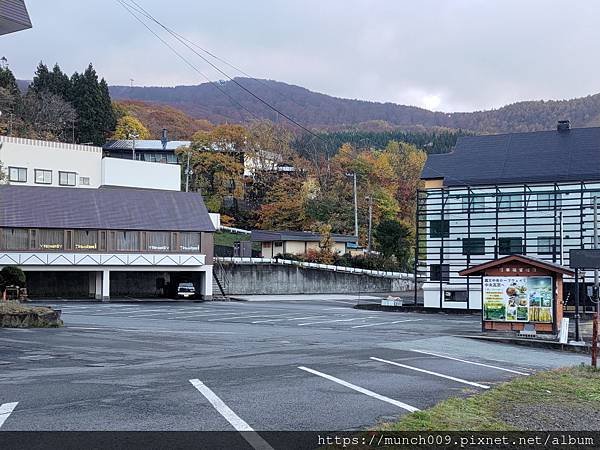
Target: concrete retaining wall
{"points": [[249, 279]]}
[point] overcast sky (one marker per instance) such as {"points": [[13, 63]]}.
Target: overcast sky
{"points": [[449, 55]]}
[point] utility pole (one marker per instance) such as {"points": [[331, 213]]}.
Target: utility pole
{"points": [[355, 208], [187, 174], [370, 199], [133, 137], [595, 297]]}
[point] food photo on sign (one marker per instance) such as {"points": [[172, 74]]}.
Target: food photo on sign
{"points": [[517, 299]]}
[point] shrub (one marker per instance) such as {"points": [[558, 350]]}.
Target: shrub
{"points": [[12, 276]]}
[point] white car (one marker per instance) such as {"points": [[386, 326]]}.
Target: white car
{"points": [[186, 290]]}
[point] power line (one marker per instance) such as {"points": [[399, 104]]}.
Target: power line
{"points": [[129, 9], [183, 41]]}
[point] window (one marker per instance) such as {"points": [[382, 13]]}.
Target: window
{"points": [[510, 202], [51, 239], [439, 272], [476, 203], [158, 241], [17, 174], [189, 242], [510, 246], [128, 241], [43, 176], [546, 201], [172, 158], [15, 238], [67, 178], [545, 245], [84, 181], [439, 228], [473, 246], [85, 240]]}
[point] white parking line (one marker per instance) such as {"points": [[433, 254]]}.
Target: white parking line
{"points": [[307, 317], [386, 323], [361, 390], [247, 317], [441, 375], [469, 362], [336, 320], [5, 410], [236, 422]]}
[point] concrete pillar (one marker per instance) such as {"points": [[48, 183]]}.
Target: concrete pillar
{"points": [[207, 283], [98, 285], [106, 285], [91, 284]]}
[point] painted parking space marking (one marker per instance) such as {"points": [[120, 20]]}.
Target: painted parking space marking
{"points": [[335, 320], [362, 390], [248, 433], [429, 372], [386, 323], [247, 317], [469, 362], [6, 410]]}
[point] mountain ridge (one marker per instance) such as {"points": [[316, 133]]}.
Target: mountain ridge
{"points": [[225, 101]]}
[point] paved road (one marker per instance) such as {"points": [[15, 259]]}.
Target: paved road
{"points": [[295, 365]]}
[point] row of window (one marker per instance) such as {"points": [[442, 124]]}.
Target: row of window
{"points": [[98, 240], [44, 176], [509, 202], [509, 246]]}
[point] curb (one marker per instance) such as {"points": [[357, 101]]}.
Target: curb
{"points": [[417, 309], [537, 343]]}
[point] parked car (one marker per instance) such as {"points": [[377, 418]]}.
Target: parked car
{"points": [[186, 290]]}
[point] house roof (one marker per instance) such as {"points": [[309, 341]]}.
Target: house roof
{"points": [[145, 145], [105, 208], [308, 236], [543, 156], [536, 262], [13, 16]]}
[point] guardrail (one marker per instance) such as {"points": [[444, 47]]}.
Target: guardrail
{"points": [[375, 273]]}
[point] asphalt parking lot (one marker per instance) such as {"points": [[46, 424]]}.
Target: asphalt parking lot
{"points": [[287, 365]]}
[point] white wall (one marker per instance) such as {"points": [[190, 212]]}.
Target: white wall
{"points": [[140, 174], [54, 156]]}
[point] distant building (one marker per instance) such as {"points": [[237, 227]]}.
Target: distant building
{"points": [[275, 243], [13, 16], [146, 150], [497, 195], [44, 163], [107, 242]]}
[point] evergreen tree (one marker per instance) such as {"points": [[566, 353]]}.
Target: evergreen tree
{"points": [[91, 99], [55, 82]]}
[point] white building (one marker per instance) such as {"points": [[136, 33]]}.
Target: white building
{"points": [[491, 196], [86, 227], [44, 163]]}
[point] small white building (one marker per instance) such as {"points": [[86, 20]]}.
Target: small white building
{"points": [[275, 243], [32, 162]]}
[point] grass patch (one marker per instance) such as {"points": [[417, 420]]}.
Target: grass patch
{"points": [[227, 239], [572, 389]]}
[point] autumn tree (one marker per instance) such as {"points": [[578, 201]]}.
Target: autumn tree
{"points": [[127, 126], [284, 206], [47, 116]]}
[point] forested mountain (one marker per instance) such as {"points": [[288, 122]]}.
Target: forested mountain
{"points": [[227, 102]]}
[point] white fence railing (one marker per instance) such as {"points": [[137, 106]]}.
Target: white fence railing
{"points": [[375, 273]]}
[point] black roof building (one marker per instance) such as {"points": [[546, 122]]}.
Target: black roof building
{"points": [[104, 208], [567, 154]]}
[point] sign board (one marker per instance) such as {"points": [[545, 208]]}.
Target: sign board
{"points": [[518, 299], [584, 258], [391, 302]]}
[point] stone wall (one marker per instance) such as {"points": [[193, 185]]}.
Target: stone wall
{"points": [[249, 279]]}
